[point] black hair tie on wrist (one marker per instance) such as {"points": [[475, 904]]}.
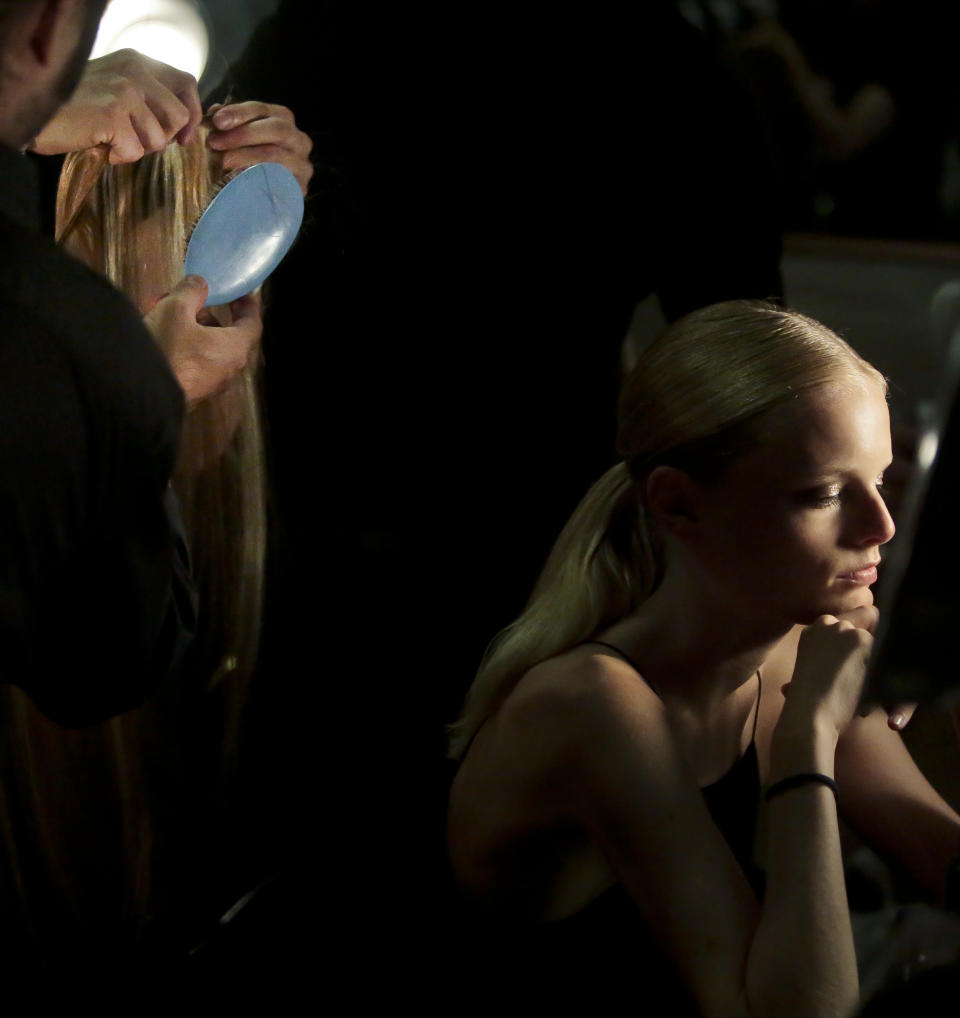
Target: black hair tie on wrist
{"points": [[796, 780]]}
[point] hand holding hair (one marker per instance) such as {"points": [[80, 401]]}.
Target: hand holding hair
{"points": [[127, 102], [203, 357], [256, 132]]}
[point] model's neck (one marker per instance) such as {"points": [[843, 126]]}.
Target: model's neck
{"points": [[693, 650]]}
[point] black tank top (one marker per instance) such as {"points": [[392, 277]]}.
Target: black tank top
{"points": [[604, 959], [734, 799]]}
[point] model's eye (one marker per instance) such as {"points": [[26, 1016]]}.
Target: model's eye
{"points": [[822, 497]]}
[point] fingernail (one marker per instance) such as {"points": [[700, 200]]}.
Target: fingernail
{"points": [[897, 720], [223, 120]]}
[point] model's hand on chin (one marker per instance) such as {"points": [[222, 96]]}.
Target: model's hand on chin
{"points": [[864, 616], [828, 677]]}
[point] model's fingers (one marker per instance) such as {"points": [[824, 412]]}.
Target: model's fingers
{"points": [[900, 716], [865, 617]]}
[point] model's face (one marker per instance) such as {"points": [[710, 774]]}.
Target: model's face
{"points": [[795, 526]]}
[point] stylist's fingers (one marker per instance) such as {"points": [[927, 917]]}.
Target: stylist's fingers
{"points": [[169, 102], [150, 132], [246, 314], [255, 132], [226, 117], [151, 116], [160, 102], [184, 88]]}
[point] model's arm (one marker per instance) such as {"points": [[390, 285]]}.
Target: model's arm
{"points": [[888, 801], [794, 956], [883, 794]]}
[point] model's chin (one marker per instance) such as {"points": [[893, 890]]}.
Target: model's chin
{"points": [[847, 601], [838, 602]]}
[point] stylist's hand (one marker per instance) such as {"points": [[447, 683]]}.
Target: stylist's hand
{"points": [[204, 357], [255, 132], [129, 103]]}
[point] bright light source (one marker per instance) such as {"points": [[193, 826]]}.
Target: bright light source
{"points": [[169, 30], [927, 450]]}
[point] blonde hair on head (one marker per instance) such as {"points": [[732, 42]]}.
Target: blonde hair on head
{"points": [[696, 399]]}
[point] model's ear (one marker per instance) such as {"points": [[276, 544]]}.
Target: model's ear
{"points": [[671, 497]]}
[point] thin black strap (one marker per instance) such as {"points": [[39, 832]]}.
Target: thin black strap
{"points": [[756, 713], [626, 657]]}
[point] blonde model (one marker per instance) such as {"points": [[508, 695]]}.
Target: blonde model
{"points": [[699, 634]]}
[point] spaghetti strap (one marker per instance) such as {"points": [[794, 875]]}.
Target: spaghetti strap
{"points": [[756, 713], [626, 657]]}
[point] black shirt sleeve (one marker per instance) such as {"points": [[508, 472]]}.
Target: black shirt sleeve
{"points": [[95, 598]]}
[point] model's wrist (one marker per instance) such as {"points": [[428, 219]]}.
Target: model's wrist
{"points": [[806, 746]]}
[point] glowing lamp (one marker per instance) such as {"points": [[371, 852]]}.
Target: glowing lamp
{"points": [[173, 31]]}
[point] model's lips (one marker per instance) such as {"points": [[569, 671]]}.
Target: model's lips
{"points": [[864, 576]]}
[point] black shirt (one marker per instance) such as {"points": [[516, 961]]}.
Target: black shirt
{"points": [[95, 598]]}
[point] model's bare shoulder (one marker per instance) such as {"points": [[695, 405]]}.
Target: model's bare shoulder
{"points": [[575, 698], [531, 769]]}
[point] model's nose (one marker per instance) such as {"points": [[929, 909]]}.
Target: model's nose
{"points": [[873, 523]]}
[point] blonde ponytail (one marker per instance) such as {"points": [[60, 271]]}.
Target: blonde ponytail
{"points": [[603, 564]]}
